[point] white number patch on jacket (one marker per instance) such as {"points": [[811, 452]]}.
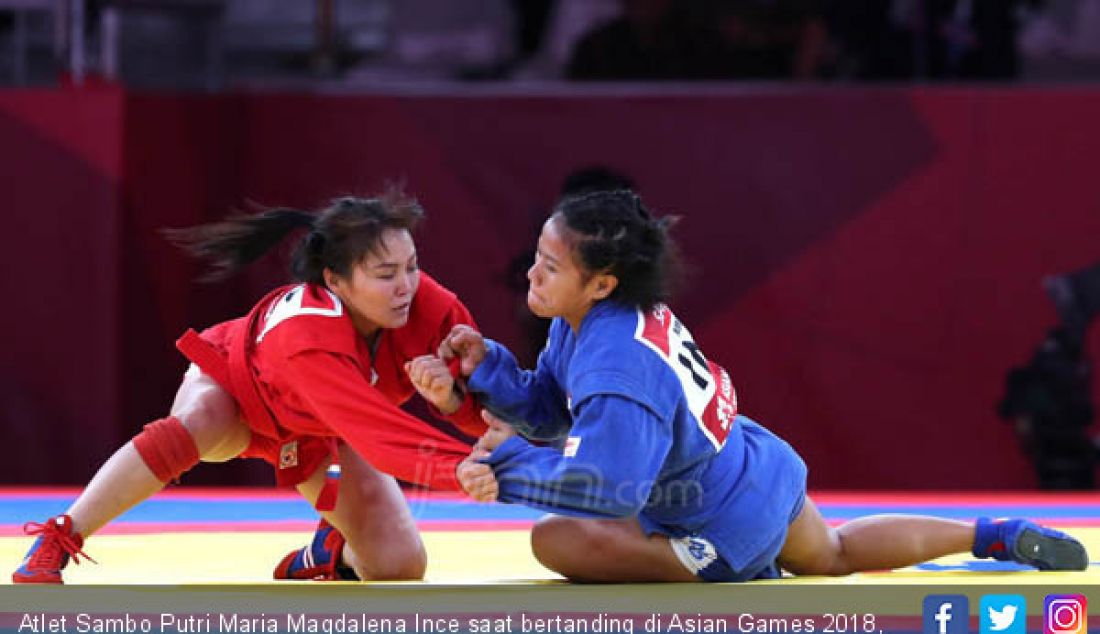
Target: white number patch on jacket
{"points": [[707, 387], [295, 303]]}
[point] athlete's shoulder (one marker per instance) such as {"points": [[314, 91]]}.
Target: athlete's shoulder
{"points": [[607, 356], [304, 317], [609, 335], [616, 355]]}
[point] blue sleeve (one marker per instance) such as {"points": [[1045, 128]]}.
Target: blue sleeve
{"points": [[530, 400], [619, 448]]}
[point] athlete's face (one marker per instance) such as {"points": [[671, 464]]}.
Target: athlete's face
{"points": [[559, 285], [380, 288]]}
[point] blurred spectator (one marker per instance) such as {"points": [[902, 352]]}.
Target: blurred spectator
{"points": [[706, 39], [532, 17], [1049, 405], [566, 23], [1049, 400], [874, 39], [444, 39], [640, 40], [927, 39], [974, 39], [1076, 296], [772, 39], [652, 40], [1061, 41]]}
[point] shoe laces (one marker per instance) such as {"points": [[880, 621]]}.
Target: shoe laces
{"points": [[54, 542]]}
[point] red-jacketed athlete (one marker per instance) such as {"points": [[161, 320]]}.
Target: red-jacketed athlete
{"points": [[310, 381]]}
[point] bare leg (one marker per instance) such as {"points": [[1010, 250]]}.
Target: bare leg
{"points": [[210, 415], [876, 542], [372, 515], [605, 551]]}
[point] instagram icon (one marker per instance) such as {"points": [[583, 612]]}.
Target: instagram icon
{"points": [[1065, 614]]}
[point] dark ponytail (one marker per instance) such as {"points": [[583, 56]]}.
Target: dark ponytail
{"points": [[339, 236], [236, 242]]}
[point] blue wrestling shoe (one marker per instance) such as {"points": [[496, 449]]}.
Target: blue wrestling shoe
{"points": [[1028, 543], [320, 561]]}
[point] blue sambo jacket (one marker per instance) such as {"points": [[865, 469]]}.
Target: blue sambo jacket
{"points": [[650, 429]]}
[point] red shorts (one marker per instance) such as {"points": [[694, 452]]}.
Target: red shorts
{"points": [[295, 456]]}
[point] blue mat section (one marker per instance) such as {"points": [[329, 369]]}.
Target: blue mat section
{"points": [[17, 510], [21, 509]]}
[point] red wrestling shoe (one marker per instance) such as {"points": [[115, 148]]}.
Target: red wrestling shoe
{"points": [[50, 553]]}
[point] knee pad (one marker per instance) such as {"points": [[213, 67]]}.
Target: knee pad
{"points": [[167, 448]]}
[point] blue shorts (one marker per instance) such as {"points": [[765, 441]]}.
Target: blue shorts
{"points": [[751, 527]]}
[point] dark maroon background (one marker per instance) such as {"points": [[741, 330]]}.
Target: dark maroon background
{"points": [[866, 262]]}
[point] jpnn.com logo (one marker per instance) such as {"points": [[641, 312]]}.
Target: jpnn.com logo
{"points": [[946, 614]]}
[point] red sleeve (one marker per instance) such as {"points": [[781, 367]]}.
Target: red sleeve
{"points": [[468, 415], [391, 440]]}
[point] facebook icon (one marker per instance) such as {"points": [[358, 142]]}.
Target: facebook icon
{"points": [[946, 614]]}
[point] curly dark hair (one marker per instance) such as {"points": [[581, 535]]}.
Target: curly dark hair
{"points": [[613, 232]]}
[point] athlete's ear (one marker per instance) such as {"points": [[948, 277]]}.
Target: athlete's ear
{"points": [[602, 285], [332, 280]]}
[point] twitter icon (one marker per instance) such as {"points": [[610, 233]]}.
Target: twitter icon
{"points": [[1003, 614]]}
